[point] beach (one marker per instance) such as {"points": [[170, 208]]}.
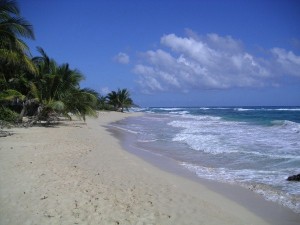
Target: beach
{"points": [[79, 173]]}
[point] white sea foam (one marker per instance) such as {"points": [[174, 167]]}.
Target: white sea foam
{"points": [[147, 140], [168, 109], [137, 109], [243, 109], [124, 129], [295, 127], [287, 109], [267, 109], [180, 112], [246, 178], [213, 135]]}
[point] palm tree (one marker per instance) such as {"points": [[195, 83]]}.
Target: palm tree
{"points": [[13, 51], [102, 103], [124, 99], [14, 54], [120, 99], [56, 89], [81, 102], [113, 100]]}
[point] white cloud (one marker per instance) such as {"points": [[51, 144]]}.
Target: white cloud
{"points": [[287, 61], [122, 58], [209, 62]]}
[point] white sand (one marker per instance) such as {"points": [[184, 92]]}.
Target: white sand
{"points": [[79, 174]]}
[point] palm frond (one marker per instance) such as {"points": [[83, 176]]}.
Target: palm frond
{"points": [[18, 26], [58, 106], [9, 7], [10, 94]]}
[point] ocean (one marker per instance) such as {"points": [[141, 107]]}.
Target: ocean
{"points": [[254, 147]]}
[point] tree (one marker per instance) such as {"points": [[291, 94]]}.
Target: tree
{"points": [[120, 100], [13, 50], [81, 102], [56, 89], [124, 99], [113, 100], [14, 55]]}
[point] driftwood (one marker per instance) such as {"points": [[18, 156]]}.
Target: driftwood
{"points": [[4, 133]]}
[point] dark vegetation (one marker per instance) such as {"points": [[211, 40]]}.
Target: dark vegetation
{"points": [[38, 88]]}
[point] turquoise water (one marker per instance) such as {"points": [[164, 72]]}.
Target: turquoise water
{"points": [[255, 147]]}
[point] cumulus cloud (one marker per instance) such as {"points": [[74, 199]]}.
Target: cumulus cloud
{"points": [[209, 62], [287, 61], [122, 58]]}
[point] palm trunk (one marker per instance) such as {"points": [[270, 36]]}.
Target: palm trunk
{"points": [[24, 110]]}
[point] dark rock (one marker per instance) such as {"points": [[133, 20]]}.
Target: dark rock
{"points": [[294, 178]]}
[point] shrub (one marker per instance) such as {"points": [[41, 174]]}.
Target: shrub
{"points": [[8, 115]]}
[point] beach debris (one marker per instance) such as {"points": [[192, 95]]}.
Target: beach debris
{"points": [[48, 215], [4, 133], [45, 197], [294, 177]]}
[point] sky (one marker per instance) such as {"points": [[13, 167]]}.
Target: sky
{"points": [[176, 52]]}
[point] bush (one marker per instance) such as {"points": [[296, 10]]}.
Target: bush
{"points": [[8, 115]]}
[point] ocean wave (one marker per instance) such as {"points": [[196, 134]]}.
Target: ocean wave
{"points": [[206, 143], [288, 109], [273, 156], [266, 109], [258, 181], [292, 202], [215, 108], [148, 141], [168, 109], [124, 129], [216, 136], [233, 176], [201, 118], [196, 121], [295, 127], [137, 109], [180, 112], [243, 109]]}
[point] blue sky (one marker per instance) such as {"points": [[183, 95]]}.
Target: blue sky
{"points": [[176, 53]]}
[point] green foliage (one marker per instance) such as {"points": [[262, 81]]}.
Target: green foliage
{"points": [[8, 115], [9, 95], [13, 50], [120, 99]]}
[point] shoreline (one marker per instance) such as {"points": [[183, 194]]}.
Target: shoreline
{"points": [[79, 173], [271, 212]]}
